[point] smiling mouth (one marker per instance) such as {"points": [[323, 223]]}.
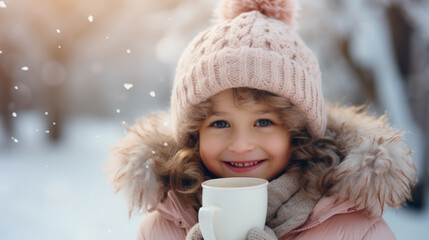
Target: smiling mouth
{"points": [[244, 164]]}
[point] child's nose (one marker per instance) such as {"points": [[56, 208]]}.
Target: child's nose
{"points": [[241, 142]]}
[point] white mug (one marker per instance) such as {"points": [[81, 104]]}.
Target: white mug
{"points": [[232, 206]]}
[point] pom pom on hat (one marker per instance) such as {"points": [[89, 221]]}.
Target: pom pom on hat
{"points": [[283, 10]]}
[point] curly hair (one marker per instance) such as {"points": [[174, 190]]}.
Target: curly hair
{"points": [[310, 156]]}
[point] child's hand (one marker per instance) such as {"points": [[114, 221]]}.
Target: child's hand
{"points": [[257, 234]]}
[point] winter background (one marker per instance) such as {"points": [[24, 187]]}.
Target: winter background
{"points": [[74, 72]]}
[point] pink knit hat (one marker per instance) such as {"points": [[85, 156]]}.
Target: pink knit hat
{"points": [[253, 46]]}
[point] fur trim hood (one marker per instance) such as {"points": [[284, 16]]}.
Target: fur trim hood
{"points": [[377, 170]]}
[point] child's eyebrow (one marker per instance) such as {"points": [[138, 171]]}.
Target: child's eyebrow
{"points": [[264, 111], [217, 113]]}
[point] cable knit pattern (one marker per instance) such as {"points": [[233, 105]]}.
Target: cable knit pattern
{"points": [[250, 50]]}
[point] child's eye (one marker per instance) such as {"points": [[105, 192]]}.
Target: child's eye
{"points": [[220, 124], [263, 123]]}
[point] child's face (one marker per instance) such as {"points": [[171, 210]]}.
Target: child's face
{"points": [[243, 142]]}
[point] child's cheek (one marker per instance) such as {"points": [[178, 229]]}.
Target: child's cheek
{"points": [[210, 149], [278, 145]]}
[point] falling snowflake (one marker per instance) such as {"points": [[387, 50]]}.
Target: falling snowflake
{"points": [[2, 4], [128, 85], [59, 46], [90, 18], [47, 131], [123, 123], [152, 93], [25, 68], [165, 144], [153, 152], [1, 51], [16, 87], [46, 113], [118, 110], [14, 114], [169, 19], [15, 140], [54, 123], [37, 130], [107, 37], [58, 30], [109, 231], [128, 51]]}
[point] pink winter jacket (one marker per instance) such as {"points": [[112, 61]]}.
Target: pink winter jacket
{"points": [[328, 220], [376, 171]]}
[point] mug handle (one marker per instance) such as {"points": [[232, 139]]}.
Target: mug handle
{"points": [[206, 218]]}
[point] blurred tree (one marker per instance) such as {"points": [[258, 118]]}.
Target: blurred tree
{"points": [[54, 28], [368, 45], [5, 90], [401, 31]]}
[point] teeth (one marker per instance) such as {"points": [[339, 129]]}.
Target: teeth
{"points": [[243, 164]]}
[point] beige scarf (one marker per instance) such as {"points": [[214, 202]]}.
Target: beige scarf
{"points": [[288, 208]]}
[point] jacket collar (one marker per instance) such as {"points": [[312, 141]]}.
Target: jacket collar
{"points": [[172, 209]]}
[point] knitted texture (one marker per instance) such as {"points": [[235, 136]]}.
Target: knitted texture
{"points": [[195, 233], [250, 50], [258, 234], [288, 208]]}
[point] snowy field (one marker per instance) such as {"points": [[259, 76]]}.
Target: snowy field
{"points": [[62, 192]]}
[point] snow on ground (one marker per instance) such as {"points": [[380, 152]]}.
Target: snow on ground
{"points": [[62, 192]]}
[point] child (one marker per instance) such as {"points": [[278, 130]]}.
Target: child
{"points": [[247, 101]]}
